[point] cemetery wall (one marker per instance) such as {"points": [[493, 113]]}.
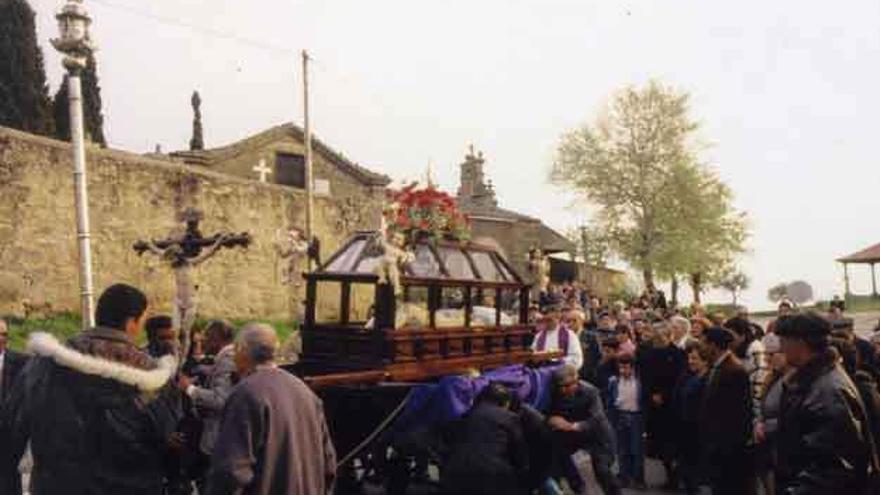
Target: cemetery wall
{"points": [[133, 197]]}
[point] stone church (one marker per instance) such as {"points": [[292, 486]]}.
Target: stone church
{"points": [[514, 233], [277, 156]]}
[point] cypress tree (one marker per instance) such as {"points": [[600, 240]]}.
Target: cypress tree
{"points": [[197, 141], [93, 119], [24, 94]]}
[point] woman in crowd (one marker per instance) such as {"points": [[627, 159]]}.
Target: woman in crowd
{"points": [[771, 403], [688, 399], [698, 325], [625, 340]]}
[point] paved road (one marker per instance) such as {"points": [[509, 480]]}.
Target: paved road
{"points": [[653, 472]]}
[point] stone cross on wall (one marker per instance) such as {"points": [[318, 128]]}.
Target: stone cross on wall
{"points": [[184, 253], [262, 169]]}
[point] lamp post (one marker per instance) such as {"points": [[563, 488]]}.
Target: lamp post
{"points": [[76, 45]]}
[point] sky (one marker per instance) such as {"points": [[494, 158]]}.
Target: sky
{"points": [[785, 92]]}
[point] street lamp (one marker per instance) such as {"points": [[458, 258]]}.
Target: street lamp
{"points": [[76, 45]]}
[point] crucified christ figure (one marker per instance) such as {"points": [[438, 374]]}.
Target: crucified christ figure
{"points": [[184, 253]]}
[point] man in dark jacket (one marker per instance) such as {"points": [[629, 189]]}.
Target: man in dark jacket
{"points": [[661, 365], [577, 418], [488, 453], [825, 444], [725, 418], [96, 411], [863, 380]]}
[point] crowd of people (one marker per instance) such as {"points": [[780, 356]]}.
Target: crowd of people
{"points": [[99, 415], [719, 401]]}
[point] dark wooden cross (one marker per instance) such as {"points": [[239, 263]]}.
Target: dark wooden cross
{"points": [[184, 253]]}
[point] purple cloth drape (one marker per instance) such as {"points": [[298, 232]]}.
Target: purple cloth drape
{"points": [[452, 396]]}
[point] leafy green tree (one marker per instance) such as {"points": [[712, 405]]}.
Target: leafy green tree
{"points": [[735, 282], [93, 118], [778, 292], [799, 292], [591, 244], [24, 94], [708, 233], [624, 164]]}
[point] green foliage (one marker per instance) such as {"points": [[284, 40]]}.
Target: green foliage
{"points": [[624, 292], [93, 118], [735, 282], [63, 326], [623, 165], [709, 233], [24, 94], [592, 244], [778, 292], [798, 291], [66, 325], [661, 210], [283, 327], [858, 303]]}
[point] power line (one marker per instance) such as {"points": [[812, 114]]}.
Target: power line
{"points": [[208, 31], [321, 65]]}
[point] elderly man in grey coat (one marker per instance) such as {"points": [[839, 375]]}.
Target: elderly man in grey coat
{"points": [[274, 437]]}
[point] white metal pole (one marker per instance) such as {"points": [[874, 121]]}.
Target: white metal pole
{"points": [[307, 131], [83, 234]]}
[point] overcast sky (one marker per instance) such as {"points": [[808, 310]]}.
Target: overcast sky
{"points": [[786, 92]]}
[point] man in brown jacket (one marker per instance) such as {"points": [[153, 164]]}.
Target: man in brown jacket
{"points": [[274, 438]]}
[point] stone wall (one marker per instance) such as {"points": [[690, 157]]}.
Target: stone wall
{"points": [[132, 197]]}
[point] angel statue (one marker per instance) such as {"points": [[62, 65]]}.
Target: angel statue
{"points": [[293, 247], [539, 267], [394, 257]]}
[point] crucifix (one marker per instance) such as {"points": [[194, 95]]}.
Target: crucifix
{"points": [[262, 169], [184, 253]]}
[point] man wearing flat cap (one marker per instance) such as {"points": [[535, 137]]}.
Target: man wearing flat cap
{"points": [[726, 418], [825, 440]]}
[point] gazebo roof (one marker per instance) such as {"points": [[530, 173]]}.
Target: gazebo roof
{"points": [[867, 255], [454, 261]]}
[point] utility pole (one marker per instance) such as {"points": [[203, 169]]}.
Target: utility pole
{"points": [[310, 182]]}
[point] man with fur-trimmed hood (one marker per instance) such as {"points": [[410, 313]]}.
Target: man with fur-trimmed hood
{"points": [[96, 411]]}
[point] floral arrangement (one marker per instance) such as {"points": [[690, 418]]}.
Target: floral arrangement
{"points": [[425, 213]]}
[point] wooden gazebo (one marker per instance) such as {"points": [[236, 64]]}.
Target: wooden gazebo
{"points": [[867, 256]]}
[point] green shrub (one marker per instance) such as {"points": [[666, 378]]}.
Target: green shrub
{"points": [[66, 325]]}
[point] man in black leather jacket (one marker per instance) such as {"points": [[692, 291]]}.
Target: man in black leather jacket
{"points": [[97, 411], [825, 444]]}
